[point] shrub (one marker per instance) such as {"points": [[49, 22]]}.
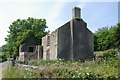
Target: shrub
{"points": [[3, 57], [106, 67], [110, 54]]}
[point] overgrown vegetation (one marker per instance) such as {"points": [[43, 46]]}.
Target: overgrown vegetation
{"points": [[3, 57], [105, 66], [4, 54], [21, 30], [107, 38]]}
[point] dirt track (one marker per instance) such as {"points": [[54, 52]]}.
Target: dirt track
{"points": [[3, 66], [0, 70]]}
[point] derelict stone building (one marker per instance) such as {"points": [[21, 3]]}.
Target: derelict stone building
{"points": [[30, 50], [71, 41]]}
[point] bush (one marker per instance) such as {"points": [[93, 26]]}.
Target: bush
{"points": [[106, 67], [3, 57], [110, 54]]}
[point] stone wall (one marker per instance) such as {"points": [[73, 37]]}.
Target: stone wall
{"points": [[31, 42], [29, 50], [82, 40], [53, 45], [75, 41], [21, 56], [64, 42], [72, 41], [90, 44], [40, 52], [45, 46], [36, 55], [49, 43]]}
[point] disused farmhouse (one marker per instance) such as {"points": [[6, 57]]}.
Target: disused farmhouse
{"points": [[71, 41], [30, 50]]}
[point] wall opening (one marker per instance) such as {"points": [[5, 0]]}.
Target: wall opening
{"points": [[31, 49], [48, 40], [48, 54]]}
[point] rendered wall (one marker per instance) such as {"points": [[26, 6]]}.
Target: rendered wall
{"points": [[75, 41], [64, 42], [82, 41]]}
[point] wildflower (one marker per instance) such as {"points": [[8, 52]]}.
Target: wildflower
{"points": [[87, 73], [79, 73], [73, 76], [26, 69], [87, 67], [76, 71]]}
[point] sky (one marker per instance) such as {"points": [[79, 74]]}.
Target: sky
{"points": [[58, 12]]}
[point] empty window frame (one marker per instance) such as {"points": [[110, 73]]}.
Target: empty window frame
{"points": [[48, 41], [31, 49]]}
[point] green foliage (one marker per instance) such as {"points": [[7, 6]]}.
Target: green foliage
{"points": [[107, 38], [106, 67], [117, 35], [110, 54], [21, 30], [3, 57], [4, 53]]}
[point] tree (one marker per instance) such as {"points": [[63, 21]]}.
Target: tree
{"points": [[117, 35], [101, 38], [21, 30], [107, 38]]}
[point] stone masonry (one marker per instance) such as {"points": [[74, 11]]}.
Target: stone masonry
{"points": [[71, 41], [30, 50]]}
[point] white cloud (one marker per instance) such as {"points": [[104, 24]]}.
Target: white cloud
{"points": [[53, 15], [58, 1], [55, 11], [12, 11], [81, 5]]}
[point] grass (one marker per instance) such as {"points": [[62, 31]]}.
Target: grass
{"points": [[105, 66]]}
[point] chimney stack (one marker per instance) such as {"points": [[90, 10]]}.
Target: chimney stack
{"points": [[76, 13]]}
